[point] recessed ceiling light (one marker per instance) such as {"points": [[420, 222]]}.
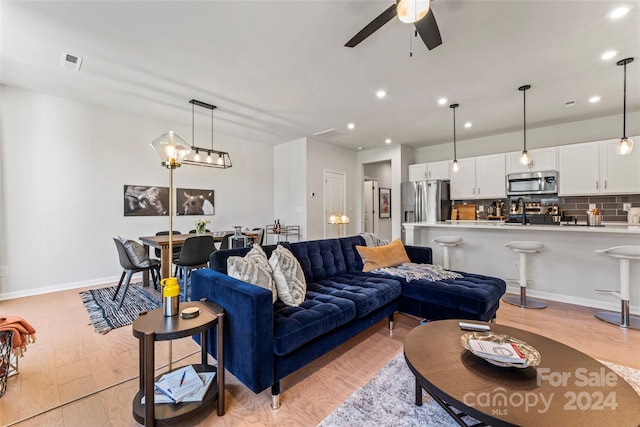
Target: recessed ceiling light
{"points": [[442, 101], [387, 141], [381, 93], [594, 99], [359, 148], [608, 54], [351, 126], [619, 12], [468, 124]]}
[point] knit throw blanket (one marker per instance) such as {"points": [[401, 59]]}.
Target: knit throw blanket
{"points": [[411, 271], [371, 239], [23, 332]]}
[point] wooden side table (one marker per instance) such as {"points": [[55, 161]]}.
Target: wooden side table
{"points": [[154, 326]]}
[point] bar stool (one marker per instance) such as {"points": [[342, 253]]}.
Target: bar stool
{"points": [[445, 242], [524, 248], [622, 319]]}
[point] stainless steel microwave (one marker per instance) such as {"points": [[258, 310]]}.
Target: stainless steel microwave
{"points": [[545, 182]]}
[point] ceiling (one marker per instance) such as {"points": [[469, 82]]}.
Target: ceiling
{"points": [[279, 71]]}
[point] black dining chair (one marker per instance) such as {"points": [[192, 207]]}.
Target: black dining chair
{"points": [[260, 239], [132, 260], [224, 244], [176, 250], [194, 231], [195, 254]]}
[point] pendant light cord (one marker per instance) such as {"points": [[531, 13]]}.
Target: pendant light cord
{"points": [[524, 109], [455, 156], [193, 118], [624, 103]]}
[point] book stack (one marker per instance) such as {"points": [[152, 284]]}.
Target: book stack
{"points": [[498, 352], [182, 385]]}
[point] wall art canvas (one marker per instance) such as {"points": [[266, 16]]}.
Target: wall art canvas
{"points": [[140, 200], [190, 201], [385, 203]]}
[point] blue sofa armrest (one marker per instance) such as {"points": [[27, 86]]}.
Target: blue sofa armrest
{"points": [[248, 328], [419, 254]]}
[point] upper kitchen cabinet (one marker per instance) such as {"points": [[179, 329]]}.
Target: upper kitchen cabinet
{"points": [[480, 177], [542, 159], [595, 168], [432, 170]]}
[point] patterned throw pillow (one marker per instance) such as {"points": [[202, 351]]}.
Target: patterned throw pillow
{"points": [[136, 252], [288, 276], [252, 271], [257, 255]]}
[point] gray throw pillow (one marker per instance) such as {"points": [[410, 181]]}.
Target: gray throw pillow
{"points": [[257, 255], [251, 271], [136, 252], [288, 276]]}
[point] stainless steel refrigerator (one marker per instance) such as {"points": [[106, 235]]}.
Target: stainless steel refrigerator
{"points": [[426, 201]]}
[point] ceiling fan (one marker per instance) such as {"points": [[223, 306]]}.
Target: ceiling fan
{"points": [[409, 11]]}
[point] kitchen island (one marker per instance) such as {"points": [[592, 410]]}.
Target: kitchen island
{"points": [[567, 270]]}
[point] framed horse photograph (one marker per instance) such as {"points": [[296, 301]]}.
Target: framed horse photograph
{"points": [[190, 201]]}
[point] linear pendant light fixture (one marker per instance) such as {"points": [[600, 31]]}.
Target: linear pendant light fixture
{"points": [[205, 156], [455, 167], [524, 157], [625, 145]]}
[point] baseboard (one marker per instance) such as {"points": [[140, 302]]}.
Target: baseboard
{"points": [[58, 288], [586, 302]]}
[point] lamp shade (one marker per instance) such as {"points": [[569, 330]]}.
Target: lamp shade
{"points": [[410, 11], [339, 219], [171, 149], [624, 146]]}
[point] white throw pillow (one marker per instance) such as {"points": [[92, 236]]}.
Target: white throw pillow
{"points": [[288, 276], [257, 255], [253, 272]]}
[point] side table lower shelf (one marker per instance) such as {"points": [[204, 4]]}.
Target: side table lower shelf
{"points": [[170, 413]]}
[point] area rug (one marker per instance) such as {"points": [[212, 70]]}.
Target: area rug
{"points": [[388, 400], [104, 313]]}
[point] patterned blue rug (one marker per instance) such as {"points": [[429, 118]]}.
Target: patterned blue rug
{"points": [[104, 313]]}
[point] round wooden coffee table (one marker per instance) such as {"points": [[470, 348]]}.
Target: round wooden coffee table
{"points": [[567, 388]]}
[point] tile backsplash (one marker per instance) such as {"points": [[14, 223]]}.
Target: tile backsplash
{"points": [[577, 206]]}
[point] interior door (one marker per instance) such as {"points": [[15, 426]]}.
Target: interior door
{"points": [[369, 198], [334, 201]]}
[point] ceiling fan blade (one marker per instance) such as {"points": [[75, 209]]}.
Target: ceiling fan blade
{"points": [[373, 26], [428, 30]]}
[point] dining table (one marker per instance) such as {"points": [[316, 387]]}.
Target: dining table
{"points": [[162, 242]]}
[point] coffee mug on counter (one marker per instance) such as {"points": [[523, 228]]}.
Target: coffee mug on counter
{"points": [[633, 216]]}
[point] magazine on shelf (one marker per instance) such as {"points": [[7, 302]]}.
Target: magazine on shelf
{"points": [[500, 352], [195, 396], [178, 384]]}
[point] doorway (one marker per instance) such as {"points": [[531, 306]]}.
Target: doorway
{"points": [[334, 200], [370, 203]]}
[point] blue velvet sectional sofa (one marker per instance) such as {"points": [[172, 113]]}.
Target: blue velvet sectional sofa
{"points": [[266, 341]]}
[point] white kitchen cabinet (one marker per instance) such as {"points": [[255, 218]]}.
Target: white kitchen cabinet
{"points": [[418, 172], [579, 169], [431, 170], [463, 182], [619, 174], [595, 168], [439, 170], [542, 159], [490, 177]]}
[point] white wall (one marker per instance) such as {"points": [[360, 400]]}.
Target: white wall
{"points": [[548, 136], [290, 185], [64, 165]]}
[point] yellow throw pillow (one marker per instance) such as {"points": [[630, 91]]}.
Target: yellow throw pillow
{"points": [[383, 256]]}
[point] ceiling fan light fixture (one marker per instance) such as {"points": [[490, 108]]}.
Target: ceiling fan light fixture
{"points": [[410, 11], [625, 145]]}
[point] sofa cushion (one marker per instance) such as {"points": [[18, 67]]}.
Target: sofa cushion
{"points": [[317, 315], [383, 256], [319, 258], [288, 276], [252, 271], [366, 292]]}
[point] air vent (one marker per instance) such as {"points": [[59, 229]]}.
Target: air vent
{"points": [[570, 103], [70, 61], [329, 133]]}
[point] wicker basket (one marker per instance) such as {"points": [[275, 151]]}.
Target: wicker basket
{"points": [[5, 359]]}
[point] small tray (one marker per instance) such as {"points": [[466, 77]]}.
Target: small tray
{"points": [[531, 355]]}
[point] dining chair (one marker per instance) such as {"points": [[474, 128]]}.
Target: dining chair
{"points": [[133, 259], [195, 254], [194, 231], [224, 244], [176, 250], [260, 239]]}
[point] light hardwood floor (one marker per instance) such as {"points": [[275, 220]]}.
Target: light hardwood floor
{"points": [[97, 374]]}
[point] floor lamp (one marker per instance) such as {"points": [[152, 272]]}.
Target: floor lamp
{"points": [[338, 219], [172, 150]]}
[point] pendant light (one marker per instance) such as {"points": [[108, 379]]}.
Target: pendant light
{"points": [[625, 145], [212, 158], [410, 11], [525, 159], [455, 167]]}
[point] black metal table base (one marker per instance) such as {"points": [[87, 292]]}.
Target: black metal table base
{"points": [[455, 414]]}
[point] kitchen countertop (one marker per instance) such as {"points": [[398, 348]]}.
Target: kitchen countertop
{"points": [[608, 227]]}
